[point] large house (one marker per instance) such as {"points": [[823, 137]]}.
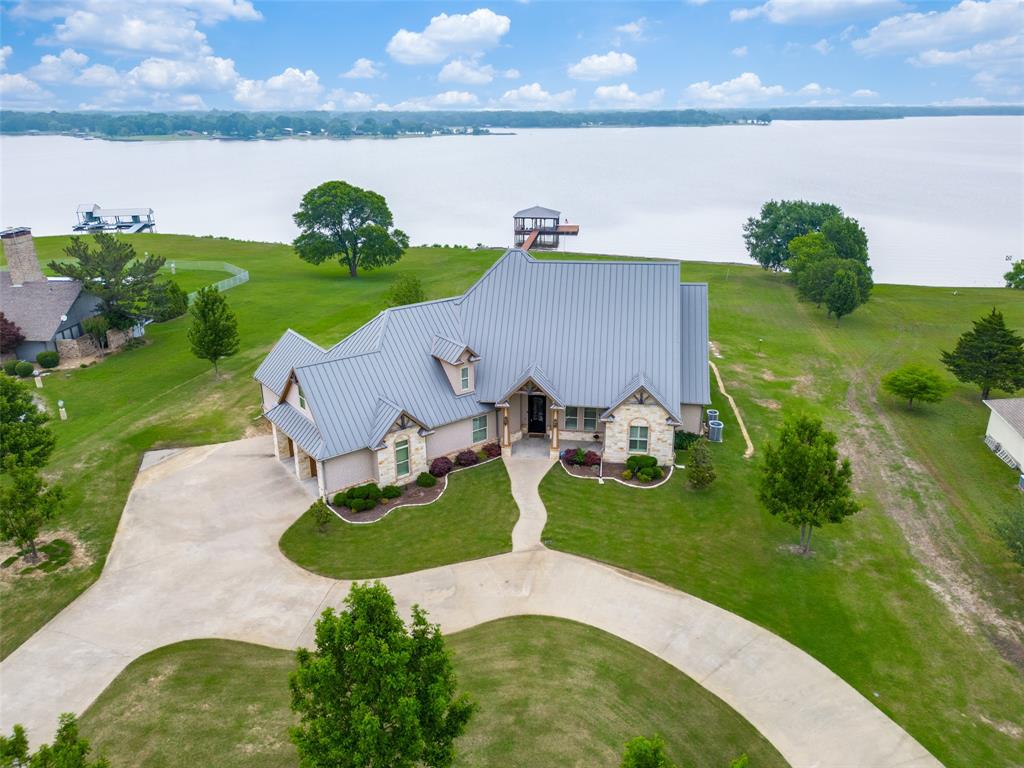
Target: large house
{"points": [[603, 351]]}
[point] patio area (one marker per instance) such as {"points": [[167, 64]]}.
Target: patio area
{"points": [[538, 447]]}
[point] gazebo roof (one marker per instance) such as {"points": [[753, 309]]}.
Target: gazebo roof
{"points": [[538, 212]]}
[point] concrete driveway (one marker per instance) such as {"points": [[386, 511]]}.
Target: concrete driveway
{"points": [[196, 556]]}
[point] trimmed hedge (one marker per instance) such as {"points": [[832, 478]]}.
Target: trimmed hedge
{"points": [[638, 463], [24, 369], [48, 359], [369, 491], [361, 505], [467, 458], [391, 492], [340, 499], [426, 480], [441, 466]]}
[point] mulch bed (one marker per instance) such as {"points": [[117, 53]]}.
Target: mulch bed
{"points": [[616, 470], [581, 471], [411, 494]]}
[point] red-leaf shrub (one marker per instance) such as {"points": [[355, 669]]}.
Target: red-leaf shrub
{"points": [[591, 459], [466, 458], [493, 450], [441, 466]]}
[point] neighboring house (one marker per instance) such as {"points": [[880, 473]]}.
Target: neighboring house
{"points": [[48, 311], [562, 350], [1005, 432]]}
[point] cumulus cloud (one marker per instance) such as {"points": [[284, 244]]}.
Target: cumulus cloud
{"points": [[815, 90], [445, 100], [471, 72], [363, 69], [621, 96], [740, 90], [533, 96], [739, 52], [967, 22], [447, 35], [601, 67], [635, 30], [58, 68], [1007, 48], [18, 88], [99, 76], [5, 53], [864, 93], [292, 89], [804, 11], [340, 100]]}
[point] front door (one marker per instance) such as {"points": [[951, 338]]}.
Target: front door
{"points": [[312, 466], [537, 420]]}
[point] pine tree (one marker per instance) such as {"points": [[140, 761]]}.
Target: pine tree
{"points": [[700, 472], [989, 355], [214, 331]]}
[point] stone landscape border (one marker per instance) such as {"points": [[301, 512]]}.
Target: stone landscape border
{"points": [[620, 481]]}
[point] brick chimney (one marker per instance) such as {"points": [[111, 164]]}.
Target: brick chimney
{"points": [[20, 250]]}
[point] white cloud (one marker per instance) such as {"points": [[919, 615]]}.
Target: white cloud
{"points": [[601, 67], [208, 73], [18, 88], [446, 100], [865, 93], [468, 71], [810, 11], [99, 76], [822, 46], [533, 96], [60, 68], [739, 52], [1008, 48], [292, 89], [998, 81], [965, 101], [363, 69], [621, 96], [5, 53], [969, 21], [635, 30], [740, 90], [511, 74], [814, 89], [341, 100], [447, 35]]}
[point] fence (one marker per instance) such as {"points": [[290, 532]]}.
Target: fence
{"points": [[238, 275]]}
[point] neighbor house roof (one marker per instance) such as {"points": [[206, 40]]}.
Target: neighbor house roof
{"points": [[1012, 411], [37, 307], [537, 212], [584, 331]]}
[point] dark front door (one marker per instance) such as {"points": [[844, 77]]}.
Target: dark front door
{"points": [[537, 422]]}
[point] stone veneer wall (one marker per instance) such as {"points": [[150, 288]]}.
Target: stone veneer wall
{"points": [[386, 457], [117, 339], [73, 349], [660, 435]]}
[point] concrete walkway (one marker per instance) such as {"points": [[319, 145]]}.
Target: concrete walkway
{"points": [[196, 556]]}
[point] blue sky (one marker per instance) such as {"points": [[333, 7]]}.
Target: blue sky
{"points": [[237, 54]]}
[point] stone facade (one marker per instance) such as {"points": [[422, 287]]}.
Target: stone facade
{"points": [[281, 449], [660, 434], [303, 470], [386, 473], [73, 349], [117, 339]]}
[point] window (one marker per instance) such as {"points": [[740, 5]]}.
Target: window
{"points": [[465, 378], [571, 417], [302, 399], [590, 419], [638, 439], [402, 457], [479, 428]]}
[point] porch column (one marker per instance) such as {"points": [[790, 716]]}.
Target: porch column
{"points": [[320, 482], [280, 443], [554, 432], [506, 438], [302, 470]]}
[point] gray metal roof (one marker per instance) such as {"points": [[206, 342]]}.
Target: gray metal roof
{"points": [[1012, 411], [37, 307], [694, 382], [447, 349], [537, 212], [584, 331], [293, 423]]}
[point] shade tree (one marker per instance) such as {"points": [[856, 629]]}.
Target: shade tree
{"points": [[27, 503], [767, 236], [990, 355], [25, 436], [915, 382]]}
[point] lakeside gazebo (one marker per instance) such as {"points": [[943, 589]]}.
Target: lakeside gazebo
{"points": [[540, 228]]}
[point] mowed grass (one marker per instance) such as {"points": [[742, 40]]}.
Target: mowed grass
{"points": [[860, 604], [550, 692], [162, 396], [472, 519]]}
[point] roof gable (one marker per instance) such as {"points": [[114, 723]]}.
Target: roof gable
{"points": [[38, 307]]}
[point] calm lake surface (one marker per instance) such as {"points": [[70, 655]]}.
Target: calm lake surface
{"points": [[942, 199]]}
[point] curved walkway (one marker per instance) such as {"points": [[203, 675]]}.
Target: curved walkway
{"points": [[196, 556]]}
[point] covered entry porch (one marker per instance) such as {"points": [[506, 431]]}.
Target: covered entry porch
{"points": [[530, 416]]}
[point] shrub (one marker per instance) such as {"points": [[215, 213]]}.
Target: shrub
{"points": [[684, 440], [466, 458], [637, 463], [644, 475], [9, 366], [321, 513], [24, 369], [569, 455], [441, 466], [340, 499], [627, 474], [426, 480], [481, 456], [362, 505], [700, 470], [48, 359], [492, 450], [591, 459], [370, 491], [657, 473], [391, 492]]}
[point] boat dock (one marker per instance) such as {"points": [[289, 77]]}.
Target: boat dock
{"points": [[94, 218]]}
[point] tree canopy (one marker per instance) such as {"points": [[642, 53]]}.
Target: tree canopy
{"points": [[374, 692], [26, 504], [642, 752], [407, 289], [10, 335], [830, 266], [989, 355], [843, 294], [915, 382], [213, 334], [68, 750], [25, 437], [803, 481], [767, 236], [1015, 277], [112, 272], [353, 225]]}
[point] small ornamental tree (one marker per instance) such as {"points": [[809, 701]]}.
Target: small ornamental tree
{"points": [[642, 752], [353, 225], [406, 290], [915, 382], [26, 504], [25, 438], [10, 335], [989, 355], [767, 236], [1015, 277], [803, 480], [375, 692], [213, 334], [321, 514], [68, 750], [700, 470]]}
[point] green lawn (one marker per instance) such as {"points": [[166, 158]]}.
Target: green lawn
{"points": [[861, 604], [472, 519], [550, 692]]}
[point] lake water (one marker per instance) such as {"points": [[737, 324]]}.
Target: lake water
{"points": [[942, 199]]}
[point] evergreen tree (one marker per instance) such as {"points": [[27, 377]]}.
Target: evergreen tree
{"points": [[213, 334], [700, 471], [167, 301], [989, 355], [25, 438]]}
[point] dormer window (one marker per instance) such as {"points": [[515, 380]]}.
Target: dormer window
{"points": [[464, 374], [302, 399]]}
